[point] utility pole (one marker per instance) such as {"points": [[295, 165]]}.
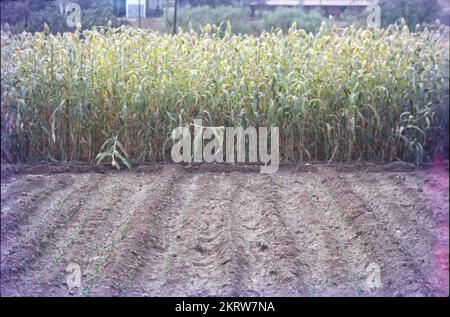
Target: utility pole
{"points": [[139, 13], [175, 18]]}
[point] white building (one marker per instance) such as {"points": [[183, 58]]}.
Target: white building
{"points": [[136, 8]]}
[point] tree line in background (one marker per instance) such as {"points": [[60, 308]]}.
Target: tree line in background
{"points": [[199, 16], [30, 15]]}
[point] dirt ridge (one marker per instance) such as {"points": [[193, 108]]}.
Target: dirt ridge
{"points": [[171, 230]]}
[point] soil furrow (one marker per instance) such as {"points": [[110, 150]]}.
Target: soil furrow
{"points": [[101, 220], [398, 210], [245, 223], [123, 258], [46, 231], [386, 250], [318, 262], [210, 256], [436, 197], [165, 276], [185, 230], [278, 244], [163, 235], [194, 260], [425, 231], [14, 187], [351, 251], [236, 263], [17, 212]]}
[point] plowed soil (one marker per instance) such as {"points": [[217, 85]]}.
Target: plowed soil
{"points": [[307, 230]]}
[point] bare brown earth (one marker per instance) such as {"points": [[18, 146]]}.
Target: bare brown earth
{"points": [[169, 230]]}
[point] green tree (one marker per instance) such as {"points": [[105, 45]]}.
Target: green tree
{"points": [[283, 18], [414, 11], [31, 16]]}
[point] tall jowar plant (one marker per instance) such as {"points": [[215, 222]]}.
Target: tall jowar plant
{"points": [[342, 94]]}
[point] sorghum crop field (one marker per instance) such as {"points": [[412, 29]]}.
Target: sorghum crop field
{"points": [[359, 206], [343, 94]]}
